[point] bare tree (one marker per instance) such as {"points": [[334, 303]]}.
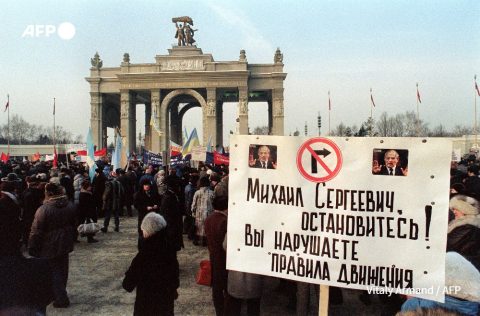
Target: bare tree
{"points": [[340, 130], [383, 125], [439, 131], [260, 130], [460, 130]]}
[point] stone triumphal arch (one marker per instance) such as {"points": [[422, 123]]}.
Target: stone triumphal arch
{"points": [[187, 77]]}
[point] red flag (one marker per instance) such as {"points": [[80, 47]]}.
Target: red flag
{"points": [[329, 105], [4, 157], [55, 160], [219, 159], [371, 98], [6, 107], [476, 87], [36, 157], [418, 96], [102, 152]]}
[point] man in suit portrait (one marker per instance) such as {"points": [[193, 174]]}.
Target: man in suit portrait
{"points": [[263, 160], [390, 168]]}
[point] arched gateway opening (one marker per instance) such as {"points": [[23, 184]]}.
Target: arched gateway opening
{"points": [[175, 83]]}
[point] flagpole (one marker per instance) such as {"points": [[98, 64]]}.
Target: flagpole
{"points": [[371, 113], [329, 109], [476, 144], [54, 125], [418, 115], [8, 108]]}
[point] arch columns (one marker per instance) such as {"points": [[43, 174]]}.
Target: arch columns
{"points": [[155, 107], [242, 110], [97, 121], [276, 114], [128, 119], [210, 115]]}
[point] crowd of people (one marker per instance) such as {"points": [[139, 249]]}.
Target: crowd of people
{"points": [[41, 207]]}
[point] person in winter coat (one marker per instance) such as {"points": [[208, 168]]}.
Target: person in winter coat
{"points": [[172, 209], [112, 202], [32, 199], [128, 184], [52, 237], [26, 285], [460, 275], [77, 185], [10, 211], [145, 200], [202, 208], [154, 271], [464, 231], [86, 208], [216, 229]]}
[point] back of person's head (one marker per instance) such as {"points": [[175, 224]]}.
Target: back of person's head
{"points": [[215, 177], [145, 181], [473, 169], [8, 186], [220, 203], [172, 182], [204, 182], [152, 223], [53, 189]]}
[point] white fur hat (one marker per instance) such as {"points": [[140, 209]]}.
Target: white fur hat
{"points": [[460, 272], [465, 204]]}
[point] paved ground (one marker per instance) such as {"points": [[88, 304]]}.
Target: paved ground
{"points": [[97, 271]]}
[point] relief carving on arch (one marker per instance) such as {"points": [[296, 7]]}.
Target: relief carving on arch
{"points": [[95, 111], [278, 107], [243, 107], [124, 109], [211, 107]]}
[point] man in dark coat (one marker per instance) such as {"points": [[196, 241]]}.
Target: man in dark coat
{"points": [[26, 285], [472, 182], [390, 168], [52, 237], [112, 202], [32, 199], [216, 229], [10, 212], [263, 161], [98, 189], [172, 209], [128, 184]]}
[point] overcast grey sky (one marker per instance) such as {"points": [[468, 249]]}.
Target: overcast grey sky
{"points": [[345, 47]]}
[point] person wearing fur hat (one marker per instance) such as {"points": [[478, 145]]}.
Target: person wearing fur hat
{"points": [[145, 200], [464, 231], [52, 237], [154, 270], [465, 278]]}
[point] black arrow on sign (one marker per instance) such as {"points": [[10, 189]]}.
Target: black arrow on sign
{"points": [[324, 153]]}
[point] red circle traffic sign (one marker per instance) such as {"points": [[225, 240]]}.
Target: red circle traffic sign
{"points": [[331, 168]]}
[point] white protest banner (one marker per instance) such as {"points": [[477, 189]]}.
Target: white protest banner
{"points": [[199, 153], [327, 211], [75, 147], [456, 155]]}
